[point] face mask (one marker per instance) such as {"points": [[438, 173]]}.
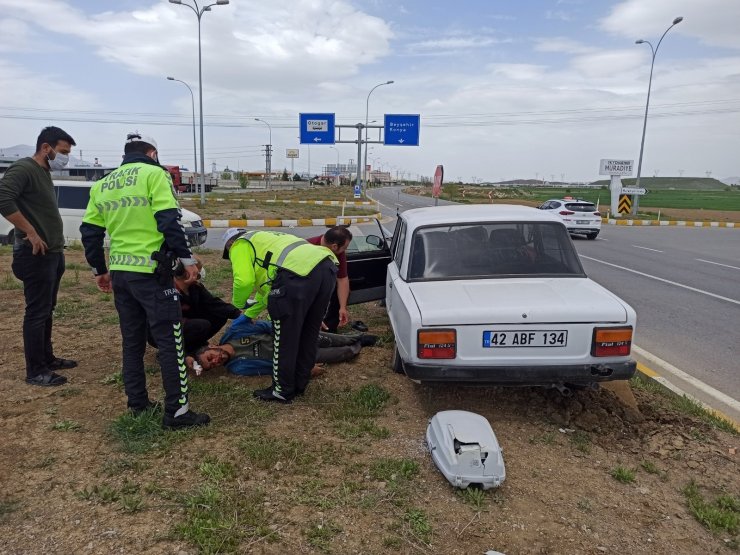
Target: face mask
{"points": [[59, 161]]}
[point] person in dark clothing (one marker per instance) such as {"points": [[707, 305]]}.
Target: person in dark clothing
{"points": [[246, 348], [28, 201], [203, 314], [336, 239], [136, 205]]}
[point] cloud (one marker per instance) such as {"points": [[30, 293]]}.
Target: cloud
{"points": [[713, 22], [562, 44], [452, 44], [558, 15]]}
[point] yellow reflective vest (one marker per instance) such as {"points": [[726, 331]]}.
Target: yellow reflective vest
{"points": [[255, 259]]}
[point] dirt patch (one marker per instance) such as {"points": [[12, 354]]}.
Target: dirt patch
{"points": [[344, 469]]}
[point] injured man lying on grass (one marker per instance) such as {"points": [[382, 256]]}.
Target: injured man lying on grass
{"points": [[246, 349]]}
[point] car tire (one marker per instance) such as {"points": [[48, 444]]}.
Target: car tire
{"points": [[396, 362], [11, 237], [592, 236]]}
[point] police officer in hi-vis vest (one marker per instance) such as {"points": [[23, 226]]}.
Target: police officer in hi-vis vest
{"points": [[136, 205], [294, 280]]}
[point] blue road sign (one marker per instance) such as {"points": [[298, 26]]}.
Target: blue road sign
{"points": [[357, 192], [316, 129], [401, 130]]}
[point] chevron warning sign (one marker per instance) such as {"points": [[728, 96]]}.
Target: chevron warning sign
{"points": [[625, 204]]}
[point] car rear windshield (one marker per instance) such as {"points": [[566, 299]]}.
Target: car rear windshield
{"points": [[581, 207], [476, 251]]}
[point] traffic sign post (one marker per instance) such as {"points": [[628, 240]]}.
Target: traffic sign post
{"points": [[316, 129], [616, 169], [401, 129]]}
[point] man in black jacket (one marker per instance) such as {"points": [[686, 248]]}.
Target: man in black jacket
{"points": [[203, 314]]}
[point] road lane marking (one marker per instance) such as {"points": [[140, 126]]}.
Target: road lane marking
{"points": [[646, 248], [717, 263], [729, 300], [698, 384]]}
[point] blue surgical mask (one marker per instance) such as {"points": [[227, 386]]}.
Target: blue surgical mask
{"points": [[59, 161]]}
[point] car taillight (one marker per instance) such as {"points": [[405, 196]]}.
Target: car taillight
{"points": [[609, 342], [436, 344], [566, 213], [597, 213]]}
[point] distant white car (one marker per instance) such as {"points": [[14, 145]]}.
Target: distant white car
{"points": [[579, 216], [497, 294]]}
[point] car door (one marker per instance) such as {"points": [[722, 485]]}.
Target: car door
{"points": [[367, 262]]}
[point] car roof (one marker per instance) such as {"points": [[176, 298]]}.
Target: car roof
{"points": [[471, 213], [571, 200]]}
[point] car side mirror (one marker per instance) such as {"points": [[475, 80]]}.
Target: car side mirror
{"points": [[374, 240]]}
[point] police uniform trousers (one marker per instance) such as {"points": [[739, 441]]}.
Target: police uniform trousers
{"points": [[296, 306], [141, 299]]}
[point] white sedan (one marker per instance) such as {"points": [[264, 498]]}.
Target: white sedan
{"points": [[580, 216], [497, 294]]}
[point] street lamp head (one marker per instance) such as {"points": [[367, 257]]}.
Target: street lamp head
{"points": [[175, 1], [222, 2], [677, 20], [170, 78], [389, 82], [640, 41]]}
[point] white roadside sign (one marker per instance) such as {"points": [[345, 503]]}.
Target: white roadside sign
{"points": [[291, 153], [634, 191], [616, 167]]}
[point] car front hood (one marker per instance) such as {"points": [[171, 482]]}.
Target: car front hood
{"points": [[516, 301]]}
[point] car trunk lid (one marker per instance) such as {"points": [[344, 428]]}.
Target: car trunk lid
{"points": [[515, 301]]}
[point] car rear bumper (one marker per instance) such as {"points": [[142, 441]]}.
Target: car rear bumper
{"points": [[518, 375], [584, 230]]}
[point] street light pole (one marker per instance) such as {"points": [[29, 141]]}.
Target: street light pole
{"points": [[198, 11], [367, 111], [192, 99], [647, 104], [268, 155]]}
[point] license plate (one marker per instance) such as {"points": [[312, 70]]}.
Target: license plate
{"points": [[529, 338], [583, 222]]}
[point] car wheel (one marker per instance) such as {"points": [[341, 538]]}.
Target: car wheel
{"points": [[592, 236], [396, 362]]}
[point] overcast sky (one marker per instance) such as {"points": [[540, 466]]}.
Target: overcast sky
{"points": [[504, 89]]}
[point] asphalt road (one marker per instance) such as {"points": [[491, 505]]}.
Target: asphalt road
{"points": [[684, 284]]}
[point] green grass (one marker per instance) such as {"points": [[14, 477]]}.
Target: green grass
{"points": [[581, 441], [623, 474], [547, 438], [688, 194], [720, 516], [216, 471], [125, 464], [685, 405], [217, 521], [69, 392], [320, 535], [353, 411], [475, 497], [394, 471], [113, 379], [419, 525], [650, 467], [66, 426], [8, 506], [71, 307], [268, 452], [144, 433], [8, 282]]}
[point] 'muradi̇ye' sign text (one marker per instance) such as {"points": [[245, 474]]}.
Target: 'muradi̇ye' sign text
{"points": [[615, 167]]}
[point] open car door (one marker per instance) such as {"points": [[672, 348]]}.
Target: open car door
{"points": [[368, 256]]}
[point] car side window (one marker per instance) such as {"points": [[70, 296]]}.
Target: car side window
{"points": [[75, 198], [399, 238]]}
